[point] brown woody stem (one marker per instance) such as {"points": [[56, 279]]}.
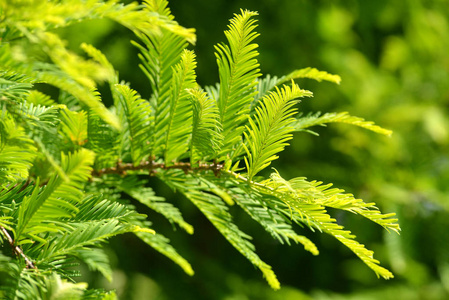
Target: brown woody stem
{"points": [[152, 166], [17, 250]]}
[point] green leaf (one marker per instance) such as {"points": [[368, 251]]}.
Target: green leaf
{"points": [[17, 151], [264, 86], [74, 127], [38, 98], [86, 95], [146, 196], [264, 210], [41, 124], [160, 54], [103, 140], [12, 87], [270, 128], [167, 19], [315, 216], [303, 123], [110, 73], [311, 73], [161, 244], [268, 83], [25, 284], [38, 212], [59, 289], [238, 69], [81, 236], [16, 193], [206, 133], [75, 75], [315, 192], [180, 118], [97, 260], [95, 208], [137, 114], [217, 213]]}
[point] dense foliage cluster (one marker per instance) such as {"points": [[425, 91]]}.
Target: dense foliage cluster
{"points": [[67, 160]]}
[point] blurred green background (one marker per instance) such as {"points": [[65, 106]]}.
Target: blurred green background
{"points": [[393, 57]]}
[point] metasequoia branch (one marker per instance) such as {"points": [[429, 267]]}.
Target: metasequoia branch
{"points": [[17, 250], [152, 166]]}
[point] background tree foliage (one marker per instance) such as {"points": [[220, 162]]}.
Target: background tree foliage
{"points": [[394, 66]]}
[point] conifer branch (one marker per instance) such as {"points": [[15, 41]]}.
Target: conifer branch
{"points": [[17, 250], [48, 150]]}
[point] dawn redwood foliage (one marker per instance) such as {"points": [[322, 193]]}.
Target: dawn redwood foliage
{"points": [[66, 161]]}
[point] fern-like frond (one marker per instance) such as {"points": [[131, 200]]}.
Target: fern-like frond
{"points": [[15, 194], [270, 128], [159, 55], [95, 208], [264, 87], [217, 213], [109, 72], [10, 71], [161, 244], [167, 20], [137, 112], [25, 284], [72, 73], [97, 260], [302, 123], [41, 123], [39, 98], [206, 132], [74, 126], [103, 140], [315, 216], [10, 197], [96, 220], [159, 6], [316, 192], [24, 21], [39, 117], [311, 73], [56, 200], [82, 236], [347, 202], [87, 96], [17, 151], [180, 117], [212, 207], [268, 83], [53, 215], [60, 289], [146, 196], [264, 210], [86, 72], [238, 70], [15, 90]]}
